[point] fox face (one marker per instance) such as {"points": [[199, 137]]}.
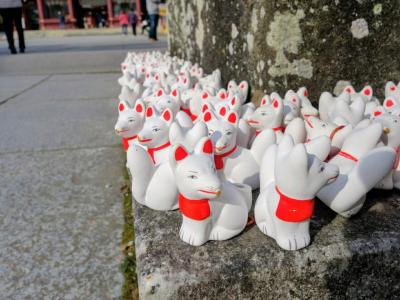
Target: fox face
{"points": [[242, 89], [171, 101], [308, 174], [155, 130], [222, 130], [151, 79], [391, 129], [195, 173], [316, 127], [269, 114], [130, 120]]}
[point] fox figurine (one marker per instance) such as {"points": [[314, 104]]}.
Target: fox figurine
{"points": [[212, 209], [285, 205]]}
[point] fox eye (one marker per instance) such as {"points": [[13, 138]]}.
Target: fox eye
{"points": [[321, 168], [323, 125], [229, 133], [210, 132], [131, 120], [263, 114], [192, 176], [156, 129]]}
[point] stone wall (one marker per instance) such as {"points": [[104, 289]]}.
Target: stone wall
{"points": [[277, 45]]}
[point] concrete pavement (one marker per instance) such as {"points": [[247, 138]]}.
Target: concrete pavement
{"points": [[61, 168]]}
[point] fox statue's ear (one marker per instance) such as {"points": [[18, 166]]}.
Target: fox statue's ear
{"points": [[204, 146], [150, 112], [222, 95], [276, 101], [349, 89], [367, 92], [265, 100], [175, 93], [177, 154], [167, 116], [232, 118], [222, 111], [389, 103], [231, 84], [302, 92], [160, 92], [121, 106], [139, 107], [208, 116]]}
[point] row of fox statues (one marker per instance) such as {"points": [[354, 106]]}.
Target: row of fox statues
{"points": [[196, 145]]}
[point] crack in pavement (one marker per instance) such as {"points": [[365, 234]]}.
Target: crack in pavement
{"points": [[27, 89]]}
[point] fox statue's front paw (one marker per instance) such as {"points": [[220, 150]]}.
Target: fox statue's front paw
{"points": [[294, 242], [191, 237]]}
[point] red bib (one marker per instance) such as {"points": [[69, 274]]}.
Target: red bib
{"points": [[125, 142], [294, 210], [348, 156], [152, 150], [186, 110], [194, 209], [219, 158]]}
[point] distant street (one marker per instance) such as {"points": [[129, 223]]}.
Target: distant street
{"points": [[61, 167]]}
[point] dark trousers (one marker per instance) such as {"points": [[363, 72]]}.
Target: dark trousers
{"points": [[153, 26], [134, 28], [11, 17]]}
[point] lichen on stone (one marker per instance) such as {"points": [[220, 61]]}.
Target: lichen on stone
{"points": [[359, 28]]}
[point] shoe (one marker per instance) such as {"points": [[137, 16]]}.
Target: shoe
{"points": [[13, 51], [22, 50]]}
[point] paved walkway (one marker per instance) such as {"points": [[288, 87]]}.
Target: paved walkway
{"points": [[61, 168]]}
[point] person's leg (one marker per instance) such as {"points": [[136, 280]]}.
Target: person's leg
{"points": [[18, 24], [152, 26], [8, 28], [156, 18], [134, 28]]}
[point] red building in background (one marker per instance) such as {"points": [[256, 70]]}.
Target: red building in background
{"points": [[46, 14]]}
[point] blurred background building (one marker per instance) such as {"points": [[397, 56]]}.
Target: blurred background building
{"points": [[61, 14]]}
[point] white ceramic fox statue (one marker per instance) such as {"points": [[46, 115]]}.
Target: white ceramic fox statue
{"points": [[212, 209], [130, 122], [155, 134], [237, 164], [362, 165], [284, 207]]}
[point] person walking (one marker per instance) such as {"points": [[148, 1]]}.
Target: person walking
{"points": [[132, 18], [154, 14], [123, 21], [11, 11]]}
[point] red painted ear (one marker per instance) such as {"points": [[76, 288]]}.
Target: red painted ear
{"points": [[263, 101], [305, 93], [367, 91], [139, 107], [388, 103], [242, 86], [232, 117], [184, 81], [222, 95], [294, 100], [177, 79], [208, 147], [121, 107], [392, 88], [147, 75], [149, 112], [377, 113], [142, 69], [349, 90], [167, 115], [180, 153], [160, 92], [156, 77], [205, 107], [207, 116], [233, 101], [175, 92], [275, 103], [222, 111], [204, 95]]}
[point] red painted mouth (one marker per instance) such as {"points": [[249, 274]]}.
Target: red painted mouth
{"points": [[253, 122], [121, 131], [144, 141], [209, 192], [220, 148]]}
